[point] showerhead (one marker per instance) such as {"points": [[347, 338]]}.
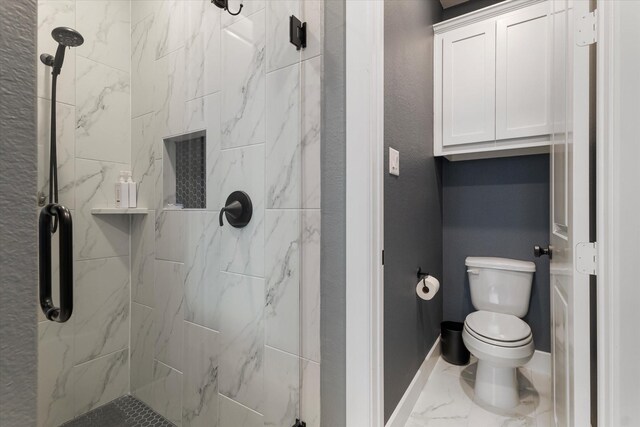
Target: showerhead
{"points": [[66, 37]]}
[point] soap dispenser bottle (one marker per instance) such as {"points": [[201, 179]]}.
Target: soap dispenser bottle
{"points": [[133, 195], [122, 192]]}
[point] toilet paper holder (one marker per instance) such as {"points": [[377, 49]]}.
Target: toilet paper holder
{"points": [[422, 276]]}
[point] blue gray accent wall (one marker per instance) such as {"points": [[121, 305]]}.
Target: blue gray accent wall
{"points": [[333, 220], [496, 207], [18, 186], [412, 201]]}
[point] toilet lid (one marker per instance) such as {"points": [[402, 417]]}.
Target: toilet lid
{"points": [[505, 328]]}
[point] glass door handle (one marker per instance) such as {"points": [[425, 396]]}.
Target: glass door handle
{"points": [[48, 215]]}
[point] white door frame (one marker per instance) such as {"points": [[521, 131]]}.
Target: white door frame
{"points": [[364, 216], [617, 212]]}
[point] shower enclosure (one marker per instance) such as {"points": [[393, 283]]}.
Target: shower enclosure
{"points": [[174, 315]]}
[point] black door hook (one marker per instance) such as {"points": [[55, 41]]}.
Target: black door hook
{"points": [[238, 210]]}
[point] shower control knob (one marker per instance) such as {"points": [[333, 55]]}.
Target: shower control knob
{"points": [[238, 210], [539, 251]]}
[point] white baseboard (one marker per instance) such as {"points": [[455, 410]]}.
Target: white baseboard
{"points": [[403, 410], [540, 362]]}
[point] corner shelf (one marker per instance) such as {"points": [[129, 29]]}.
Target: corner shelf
{"points": [[119, 211]]}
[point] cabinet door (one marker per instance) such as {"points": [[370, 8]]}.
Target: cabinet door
{"points": [[468, 84], [523, 106]]}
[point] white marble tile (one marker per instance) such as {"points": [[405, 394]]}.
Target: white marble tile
{"points": [[310, 394], [202, 48], [168, 27], [141, 9], [142, 345], [158, 193], [103, 114], [442, 402], [282, 277], [142, 258], [280, 52], [243, 73], [480, 417], [101, 315], [65, 141], [169, 313], [169, 173], [144, 155], [243, 169], [169, 95], [283, 145], [167, 393], [214, 156], [282, 388], [233, 414], [52, 14], [544, 409], [310, 285], [194, 115], [100, 381], [242, 340], [311, 124], [170, 237], [98, 236], [55, 361], [202, 268], [106, 28], [313, 15], [142, 66], [200, 377], [249, 8]]}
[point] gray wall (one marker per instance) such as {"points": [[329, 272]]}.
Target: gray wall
{"points": [[333, 224], [496, 207], [413, 215], [18, 175]]}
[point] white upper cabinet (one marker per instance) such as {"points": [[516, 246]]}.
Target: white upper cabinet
{"points": [[523, 74], [468, 84], [492, 83]]}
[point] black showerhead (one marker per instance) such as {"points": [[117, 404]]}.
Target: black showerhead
{"points": [[66, 37]]}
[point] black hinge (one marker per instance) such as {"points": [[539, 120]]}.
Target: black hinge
{"points": [[297, 33], [300, 424], [383, 257]]}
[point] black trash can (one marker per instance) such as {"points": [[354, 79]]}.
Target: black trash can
{"points": [[453, 349]]}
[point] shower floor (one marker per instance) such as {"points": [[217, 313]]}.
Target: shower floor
{"points": [[125, 411]]}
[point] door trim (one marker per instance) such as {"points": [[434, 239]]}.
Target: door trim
{"points": [[364, 216], [617, 278]]}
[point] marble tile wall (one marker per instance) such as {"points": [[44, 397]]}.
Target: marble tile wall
{"points": [[225, 322], [84, 363]]}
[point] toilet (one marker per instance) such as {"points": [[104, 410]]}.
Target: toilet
{"points": [[496, 334]]}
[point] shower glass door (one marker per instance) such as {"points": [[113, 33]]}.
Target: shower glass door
{"points": [[176, 318]]}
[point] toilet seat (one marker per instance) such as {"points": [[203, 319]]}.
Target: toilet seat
{"points": [[504, 330]]}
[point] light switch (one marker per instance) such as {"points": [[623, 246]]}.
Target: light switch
{"points": [[394, 162]]}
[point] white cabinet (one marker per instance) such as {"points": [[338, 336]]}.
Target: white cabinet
{"points": [[492, 79], [468, 84]]}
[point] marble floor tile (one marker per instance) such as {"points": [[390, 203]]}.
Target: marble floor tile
{"points": [[448, 400]]}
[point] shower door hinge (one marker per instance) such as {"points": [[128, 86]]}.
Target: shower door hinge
{"points": [[587, 258], [300, 423], [587, 29], [297, 33]]}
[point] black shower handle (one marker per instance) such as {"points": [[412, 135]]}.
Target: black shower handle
{"points": [[48, 215], [238, 210], [234, 209]]}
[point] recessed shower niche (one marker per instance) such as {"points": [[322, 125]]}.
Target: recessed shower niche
{"points": [[184, 171]]}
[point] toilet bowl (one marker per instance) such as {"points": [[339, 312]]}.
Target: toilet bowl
{"points": [[495, 334], [498, 355]]}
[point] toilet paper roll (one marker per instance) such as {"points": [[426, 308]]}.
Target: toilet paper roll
{"points": [[427, 288]]}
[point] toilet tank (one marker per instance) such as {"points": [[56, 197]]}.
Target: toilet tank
{"points": [[500, 285]]}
